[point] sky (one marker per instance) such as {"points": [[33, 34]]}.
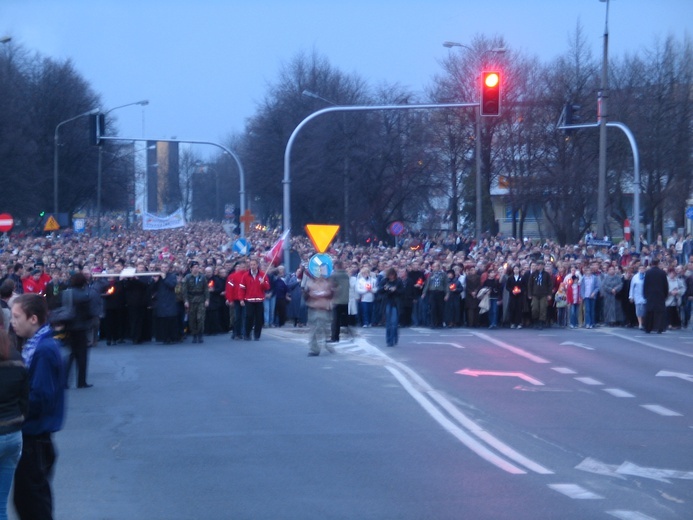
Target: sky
{"points": [[205, 65]]}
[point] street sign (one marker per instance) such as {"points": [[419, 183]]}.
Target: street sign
{"points": [[396, 228], [241, 246], [689, 212], [321, 235], [6, 222], [320, 265], [79, 225], [51, 224]]}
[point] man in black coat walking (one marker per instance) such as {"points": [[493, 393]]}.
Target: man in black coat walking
{"points": [[655, 291]]}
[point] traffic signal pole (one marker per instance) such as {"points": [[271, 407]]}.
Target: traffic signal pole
{"points": [[636, 169], [347, 108], [235, 157]]}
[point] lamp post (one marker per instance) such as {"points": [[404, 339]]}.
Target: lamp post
{"points": [[603, 119], [143, 103], [477, 149], [55, 155], [345, 176]]}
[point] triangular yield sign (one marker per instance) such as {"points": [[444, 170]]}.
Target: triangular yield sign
{"points": [[321, 235], [51, 224]]}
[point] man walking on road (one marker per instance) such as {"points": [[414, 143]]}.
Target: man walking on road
{"points": [[318, 295], [540, 288], [254, 285], [655, 290], [340, 301], [196, 298]]}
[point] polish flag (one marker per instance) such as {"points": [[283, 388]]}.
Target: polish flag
{"points": [[274, 255]]}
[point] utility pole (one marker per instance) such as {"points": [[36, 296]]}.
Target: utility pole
{"points": [[603, 118]]}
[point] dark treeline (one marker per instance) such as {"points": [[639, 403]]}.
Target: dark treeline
{"points": [[364, 170]]}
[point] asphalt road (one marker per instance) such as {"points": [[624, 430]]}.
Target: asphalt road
{"points": [[450, 424]]}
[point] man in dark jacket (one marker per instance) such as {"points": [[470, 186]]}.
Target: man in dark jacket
{"points": [[41, 353], [216, 285], [540, 289], [340, 300], [136, 299], [196, 298], [165, 305], [655, 291], [78, 327], [114, 305]]}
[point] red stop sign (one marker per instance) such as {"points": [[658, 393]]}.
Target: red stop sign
{"points": [[6, 222]]}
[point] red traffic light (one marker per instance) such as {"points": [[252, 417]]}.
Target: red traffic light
{"points": [[491, 79], [490, 93]]}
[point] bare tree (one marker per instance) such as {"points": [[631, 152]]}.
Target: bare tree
{"points": [[652, 95]]}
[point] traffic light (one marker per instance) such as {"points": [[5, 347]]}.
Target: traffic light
{"points": [[571, 116], [490, 93], [97, 126]]}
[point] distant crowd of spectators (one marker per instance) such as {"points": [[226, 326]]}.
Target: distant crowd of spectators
{"points": [[442, 275]]}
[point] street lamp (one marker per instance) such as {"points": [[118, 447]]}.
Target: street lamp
{"points": [[477, 150], [55, 155], [345, 177], [6, 39], [143, 103]]}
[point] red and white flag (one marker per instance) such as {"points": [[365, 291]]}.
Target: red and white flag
{"points": [[274, 255]]}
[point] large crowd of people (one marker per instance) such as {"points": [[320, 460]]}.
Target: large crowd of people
{"points": [[140, 286], [189, 281]]}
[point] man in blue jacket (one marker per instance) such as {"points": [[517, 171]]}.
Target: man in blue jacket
{"points": [[41, 352]]}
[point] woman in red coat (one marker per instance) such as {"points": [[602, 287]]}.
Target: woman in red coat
{"points": [[572, 289]]}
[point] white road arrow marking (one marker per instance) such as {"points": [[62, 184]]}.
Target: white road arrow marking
{"points": [[477, 373], [600, 468], [575, 344], [456, 345], [628, 468], [664, 373], [575, 491]]}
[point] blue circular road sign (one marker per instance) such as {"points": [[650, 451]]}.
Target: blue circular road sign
{"points": [[320, 265]]}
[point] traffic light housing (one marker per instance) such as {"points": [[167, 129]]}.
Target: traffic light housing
{"points": [[572, 117], [97, 126], [490, 93]]}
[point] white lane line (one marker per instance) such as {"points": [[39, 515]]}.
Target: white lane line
{"points": [[575, 491], [648, 344], [487, 437], [589, 381], [617, 392], [564, 370], [629, 515], [510, 348], [660, 410], [455, 430], [422, 391]]}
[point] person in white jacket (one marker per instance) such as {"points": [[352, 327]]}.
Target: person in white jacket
{"points": [[636, 295], [366, 287]]}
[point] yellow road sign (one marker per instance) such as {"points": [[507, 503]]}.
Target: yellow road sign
{"points": [[321, 235], [51, 224]]}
